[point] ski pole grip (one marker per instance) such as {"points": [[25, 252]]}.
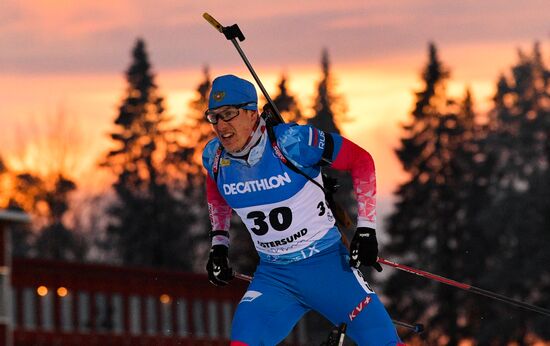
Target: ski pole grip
{"points": [[213, 22]]}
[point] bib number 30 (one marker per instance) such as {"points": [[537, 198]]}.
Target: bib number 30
{"points": [[279, 219]]}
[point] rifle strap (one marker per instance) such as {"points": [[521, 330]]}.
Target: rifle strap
{"points": [[287, 162], [326, 159]]}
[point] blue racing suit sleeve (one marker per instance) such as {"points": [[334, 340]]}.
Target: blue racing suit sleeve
{"points": [[306, 145], [208, 155]]}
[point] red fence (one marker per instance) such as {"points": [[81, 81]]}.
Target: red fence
{"points": [[60, 303]]}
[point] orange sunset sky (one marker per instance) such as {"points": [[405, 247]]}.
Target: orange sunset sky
{"points": [[69, 57]]}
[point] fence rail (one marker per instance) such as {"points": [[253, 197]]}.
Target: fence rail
{"points": [[60, 303]]}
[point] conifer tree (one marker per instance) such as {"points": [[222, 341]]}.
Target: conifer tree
{"points": [[56, 240], [191, 138], [328, 106], [149, 220], [3, 184], [287, 104], [20, 233], [329, 112], [517, 220], [431, 227], [47, 199]]}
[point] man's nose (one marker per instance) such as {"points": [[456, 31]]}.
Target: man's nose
{"points": [[221, 125]]}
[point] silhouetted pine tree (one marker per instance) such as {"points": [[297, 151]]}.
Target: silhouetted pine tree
{"points": [[330, 111], [193, 134], [328, 106], [287, 104], [48, 201], [3, 167], [20, 233], [518, 218], [56, 240], [4, 184], [198, 106], [149, 222], [432, 225]]}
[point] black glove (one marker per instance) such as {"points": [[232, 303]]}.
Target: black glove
{"points": [[364, 249], [219, 272]]}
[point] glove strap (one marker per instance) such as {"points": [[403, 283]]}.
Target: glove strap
{"points": [[218, 233], [366, 232]]}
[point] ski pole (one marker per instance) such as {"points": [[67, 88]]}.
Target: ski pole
{"points": [[465, 287], [340, 333], [417, 327], [243, 277], [232, 33]]}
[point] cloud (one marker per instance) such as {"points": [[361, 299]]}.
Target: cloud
{"points": [[55, 36]]}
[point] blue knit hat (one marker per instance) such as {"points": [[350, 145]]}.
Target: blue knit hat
{"points": [[230, 90]]}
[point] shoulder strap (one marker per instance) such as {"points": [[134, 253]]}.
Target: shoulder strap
{"points": [[287, 162], [340, 214], [326, 158], [216, 163]]}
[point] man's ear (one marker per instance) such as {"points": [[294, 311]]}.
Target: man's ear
{"points": [[254, 115]]}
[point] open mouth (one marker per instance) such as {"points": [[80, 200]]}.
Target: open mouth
{"points": [[227, 135]]}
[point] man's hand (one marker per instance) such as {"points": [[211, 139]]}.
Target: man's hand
{"points": [[364, 249], [219, 272]]}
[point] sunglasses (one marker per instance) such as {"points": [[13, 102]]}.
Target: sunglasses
{"points": [[224, 113]]}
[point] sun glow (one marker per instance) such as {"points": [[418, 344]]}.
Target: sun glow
{"points": [[379, 98], [379, 95]]}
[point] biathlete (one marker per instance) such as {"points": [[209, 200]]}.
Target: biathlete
{"points": [[303, 264]]}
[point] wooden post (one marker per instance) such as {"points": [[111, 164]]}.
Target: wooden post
{"points": [[7, 218]]}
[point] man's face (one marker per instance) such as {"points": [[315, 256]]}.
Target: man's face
{"points": [[233, 134]]}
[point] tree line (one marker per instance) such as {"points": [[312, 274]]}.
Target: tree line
{"points": [[475, 206], [158, 205]]}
